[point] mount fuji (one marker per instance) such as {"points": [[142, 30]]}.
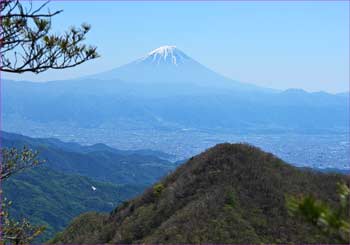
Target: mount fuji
{"points": [[168, 65], [168, 89]]}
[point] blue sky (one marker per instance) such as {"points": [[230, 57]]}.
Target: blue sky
{"points": [[272, 44]]}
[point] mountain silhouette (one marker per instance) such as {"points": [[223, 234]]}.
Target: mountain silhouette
{"points": [[168, 65]]}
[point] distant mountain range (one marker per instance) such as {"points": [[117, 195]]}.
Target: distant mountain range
{"points": [[167, 89], [99, 162], [230, 194]]}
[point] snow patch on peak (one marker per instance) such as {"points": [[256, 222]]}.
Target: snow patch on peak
{"points": [[167, 55], [163, 50]]}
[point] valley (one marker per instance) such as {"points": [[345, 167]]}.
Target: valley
{"points": [[120, 175], [316, 150]]}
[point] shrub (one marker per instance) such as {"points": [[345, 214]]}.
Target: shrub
{"points": [[231, 200], [157, 189]]}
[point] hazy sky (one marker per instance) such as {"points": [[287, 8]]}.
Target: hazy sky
{"points": [[273, 44]]}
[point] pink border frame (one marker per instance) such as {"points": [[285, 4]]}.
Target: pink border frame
{"points": [[168, 1]]}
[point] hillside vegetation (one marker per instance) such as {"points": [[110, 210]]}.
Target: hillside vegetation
{"points": [[52, 199], [228, 194]]}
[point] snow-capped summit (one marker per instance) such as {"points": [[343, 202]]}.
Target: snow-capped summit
{"points": [[167, 55], [166, 65], [169, 66], [163, 50]]}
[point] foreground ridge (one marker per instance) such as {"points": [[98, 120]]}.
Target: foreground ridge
{"points": [[231, 193]]}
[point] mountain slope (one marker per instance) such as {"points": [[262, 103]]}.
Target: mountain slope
{"points": [[50, 198], [61, 189], [228, 194]]}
